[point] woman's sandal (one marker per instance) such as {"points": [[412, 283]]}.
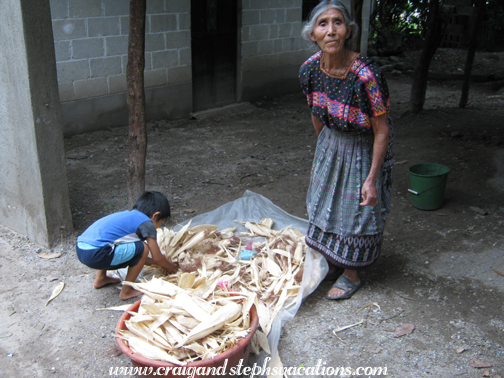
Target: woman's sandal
{"points": [[331, 276], [347, 286]]}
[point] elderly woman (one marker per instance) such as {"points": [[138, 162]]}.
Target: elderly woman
{"points": [[350, 188]]}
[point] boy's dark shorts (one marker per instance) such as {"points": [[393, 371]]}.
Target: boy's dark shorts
{"points": [[101, 258]]}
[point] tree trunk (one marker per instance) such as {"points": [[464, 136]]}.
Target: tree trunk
{"points": [[471, 52], [434, 34], [136, 101], [357, 17]]}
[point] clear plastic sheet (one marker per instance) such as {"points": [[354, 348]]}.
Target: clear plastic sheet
{"points": [[252, 207]]}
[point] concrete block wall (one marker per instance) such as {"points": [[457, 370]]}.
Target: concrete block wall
{"points": [[272, 48], [91, 43]]}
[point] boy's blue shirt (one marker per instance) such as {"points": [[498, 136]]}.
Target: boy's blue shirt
{"points": [[118, 228]]}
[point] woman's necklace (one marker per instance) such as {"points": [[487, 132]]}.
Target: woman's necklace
{"points": [[339, 73]]}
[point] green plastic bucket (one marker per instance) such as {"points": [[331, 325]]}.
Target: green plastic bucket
{"points": [[427, 185]]}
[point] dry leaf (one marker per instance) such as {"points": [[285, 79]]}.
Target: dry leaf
{"points": [[499, 273], [376, 349], [486, 373], [479, 364], [478, 210], [51, 256], [460, 350], [189, 210], [404, 329], [57, 290]]}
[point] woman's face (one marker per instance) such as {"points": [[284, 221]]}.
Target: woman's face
{"points": [[330, 31]]}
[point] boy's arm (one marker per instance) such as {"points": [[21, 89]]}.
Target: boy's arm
{"points": [[158, 258]]}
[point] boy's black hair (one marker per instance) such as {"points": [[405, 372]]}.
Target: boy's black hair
{"points": [[152, 202]]}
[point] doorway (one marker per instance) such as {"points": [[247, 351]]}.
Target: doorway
{"points": [[214, 29]]}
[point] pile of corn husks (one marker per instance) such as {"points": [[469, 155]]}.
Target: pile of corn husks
{"points": [[181, 314]]}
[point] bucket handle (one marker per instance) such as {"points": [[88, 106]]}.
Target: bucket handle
{"points": [[425, 190]]}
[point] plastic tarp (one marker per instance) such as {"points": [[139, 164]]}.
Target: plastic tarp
{"points": [[252, 207]]}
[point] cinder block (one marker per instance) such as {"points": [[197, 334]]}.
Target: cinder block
{"points": [[267, 16], [116, 7], [250, 49], [69, 29], [116, 45], [72, 70], [164, 59], [296, 28], [59, 9], [102, 26], [284, 30], [293, 15], [178, 6], [66, 91], [250, 17], [117, 84], [175, 40], [103, 67], [258, 32], [88, 8], [184, 21], [279, 16], [273, 60], [162, 22], [148, 61], [266, 47], [124, 25], [155, 7], [273, 33], [277, 46], [179, 74], [184, 57], [90, 88], [255, 63], [87, 48], [62, 50], [154, 42], [258, 4], [154, 78], [287, 44]]}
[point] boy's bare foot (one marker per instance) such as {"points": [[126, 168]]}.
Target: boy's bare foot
{"points": [[128, 292], [103, 281]]}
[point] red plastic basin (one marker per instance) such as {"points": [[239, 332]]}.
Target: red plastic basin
{"points": [[226, 360]]}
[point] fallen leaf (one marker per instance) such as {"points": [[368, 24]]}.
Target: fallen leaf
{"points": [[478, 210], [189, 210], [460, 350], [409, 350], [400, 162], [376, 349], [486, 373], [499, 273], [57, 290], [51, 278], [479, 364], [404, 329], [51, 256]]}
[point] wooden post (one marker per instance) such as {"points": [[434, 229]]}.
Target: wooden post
{"points": [[136, 101], [471, 51]]}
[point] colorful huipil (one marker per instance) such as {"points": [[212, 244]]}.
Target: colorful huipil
{"points": [[348, 235]]}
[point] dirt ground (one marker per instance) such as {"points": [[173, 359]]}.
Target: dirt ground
{"points": [[440, 270]]}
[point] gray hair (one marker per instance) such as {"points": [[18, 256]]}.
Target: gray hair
{"points": [[321, 8]]}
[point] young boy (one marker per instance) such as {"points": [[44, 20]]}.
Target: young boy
{"points": [[124, 239]]}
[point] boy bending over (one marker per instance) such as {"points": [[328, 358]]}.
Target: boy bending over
{"points": [[124, 239]]}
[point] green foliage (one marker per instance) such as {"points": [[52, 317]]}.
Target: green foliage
{"points": [[405, 17]]}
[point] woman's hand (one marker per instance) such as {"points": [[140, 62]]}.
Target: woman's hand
{"points": [[317, 125], [369, 194]]}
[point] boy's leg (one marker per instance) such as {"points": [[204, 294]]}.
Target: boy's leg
{"points": [[127, 291], [102, 279]]}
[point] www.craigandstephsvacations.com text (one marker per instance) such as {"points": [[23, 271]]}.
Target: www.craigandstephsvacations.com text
{"points": [[252, 371]]}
